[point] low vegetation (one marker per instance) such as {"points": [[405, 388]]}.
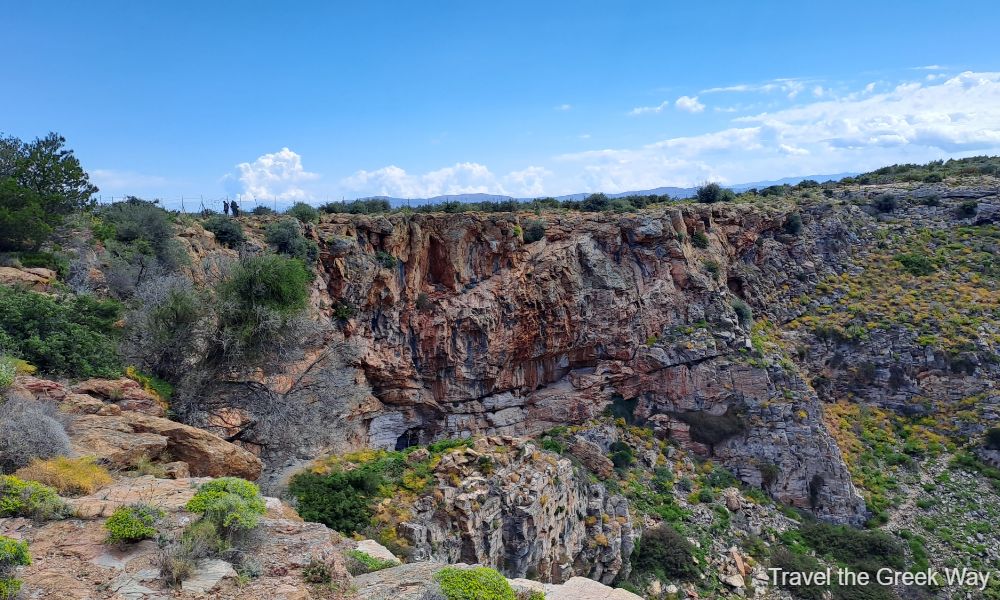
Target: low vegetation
{"points": [[227, 231], [68, 476], [359, 563], [19, 498], [230, 509], [29, 431], [13, 554], [132, 523], [475, 583], [286, 237], [66, 335], [230, 503], [664, 552]]}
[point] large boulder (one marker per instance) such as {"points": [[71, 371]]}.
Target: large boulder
{"points": [[122, 439], [125, 393], [114, 440], [207, 454], [35, 279]]}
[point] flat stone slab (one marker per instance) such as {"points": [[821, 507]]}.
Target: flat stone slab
{"points": [[376, 550], [208, 575]]}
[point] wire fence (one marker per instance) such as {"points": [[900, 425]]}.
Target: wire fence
{"points": [[201, 203]]}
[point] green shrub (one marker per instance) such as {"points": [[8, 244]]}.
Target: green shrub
{"points": [[286, 237], [788, 562], [69, 336], [993, 438], [699, 240], [258, 298], [262, 211], [793, 225], [303, 212], [344, 310], [476, 583], [229, 503], [712, 266], [885, 203], [166, 329], [622, 455], [967, 209], [664, 552], [13, 554], [861, 550], [423, 301], [19, 498], [359, 563], [132, 523], [713, 192], [140, 224], [228, 232], [743, 311], [341, 501], [8, 370], [916, 264], [47, 260], [385, 259], [534, 230]]}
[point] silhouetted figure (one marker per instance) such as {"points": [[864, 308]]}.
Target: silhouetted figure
{"points": [[235, 208], [225, 207]]}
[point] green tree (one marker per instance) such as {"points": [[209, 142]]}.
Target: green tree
{"points": [[40, 183], [713, 192]]}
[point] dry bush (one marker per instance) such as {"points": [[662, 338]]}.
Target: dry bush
{"points": [[70, 476], [29, 430]]}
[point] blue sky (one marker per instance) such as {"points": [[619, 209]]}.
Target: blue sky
{"points": [[328, 100]]}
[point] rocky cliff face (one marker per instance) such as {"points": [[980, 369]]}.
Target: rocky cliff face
{"points": [[506, 504], [470, 330]]}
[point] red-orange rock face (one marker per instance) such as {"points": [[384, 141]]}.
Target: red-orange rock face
{"points": [[474, 331]]}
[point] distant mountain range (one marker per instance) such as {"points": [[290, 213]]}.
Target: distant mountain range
{"points": [[676, 192]]}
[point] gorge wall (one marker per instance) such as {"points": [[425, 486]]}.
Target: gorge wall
{"points": [[464, 329]]}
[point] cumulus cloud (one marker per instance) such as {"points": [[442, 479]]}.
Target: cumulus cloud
{"points": [[910, 122], [278, 175], [689, 104], [564, 107], [461, 178]]}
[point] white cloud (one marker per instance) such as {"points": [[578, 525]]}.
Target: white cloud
{"points": [[642, 110], [689, 104], [461, 178], [278, 175], [789, 86], [930, 68], [910, 122], [564, 107]]}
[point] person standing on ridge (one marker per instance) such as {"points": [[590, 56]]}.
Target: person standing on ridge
{"points": [[235, 208], [225, 207]]}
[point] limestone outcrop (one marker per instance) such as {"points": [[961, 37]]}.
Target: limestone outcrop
{"points": [[505, 503]]}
